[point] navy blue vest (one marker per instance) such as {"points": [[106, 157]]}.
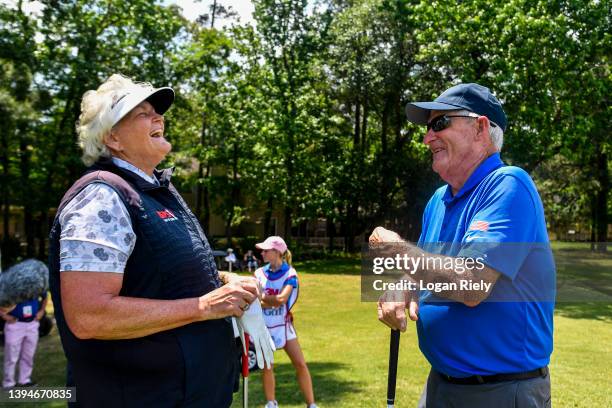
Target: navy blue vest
{"points": [[193, 365]]}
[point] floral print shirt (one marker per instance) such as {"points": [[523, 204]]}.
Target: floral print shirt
{"points": [[97, 234]]}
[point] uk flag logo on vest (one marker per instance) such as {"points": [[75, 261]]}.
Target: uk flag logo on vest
{"points": [[166, 215]]}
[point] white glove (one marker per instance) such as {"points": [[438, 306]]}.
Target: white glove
{"points": [[253, 324]]}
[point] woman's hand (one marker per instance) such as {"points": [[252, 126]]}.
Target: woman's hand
{"points": [[231, 299], [8, 318], [227, 277], [269, 301], [6, 309]]}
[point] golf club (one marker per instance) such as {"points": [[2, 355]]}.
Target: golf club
{"points": [[393, 355]]}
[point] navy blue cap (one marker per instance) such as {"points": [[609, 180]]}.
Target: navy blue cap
{"points": [[473, 97]]}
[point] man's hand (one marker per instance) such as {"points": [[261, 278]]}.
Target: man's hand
{"points": [[40, 314], [230, 299], [392, 309], [381, 235], [392, 304]]}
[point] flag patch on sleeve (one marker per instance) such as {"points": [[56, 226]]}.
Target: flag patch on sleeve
{"points": [[479, 226]]}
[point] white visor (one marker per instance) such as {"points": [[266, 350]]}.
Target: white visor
{"points": [[128, 99]]}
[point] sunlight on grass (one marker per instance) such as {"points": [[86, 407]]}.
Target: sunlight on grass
{"points": [[347, 348]]}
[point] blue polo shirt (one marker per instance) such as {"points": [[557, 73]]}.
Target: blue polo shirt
{"points": [[497, 216]]}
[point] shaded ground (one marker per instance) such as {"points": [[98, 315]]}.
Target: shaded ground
{"points": [[346, 347]]}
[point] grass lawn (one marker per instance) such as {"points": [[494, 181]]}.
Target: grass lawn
{"points": [[347, 348]]}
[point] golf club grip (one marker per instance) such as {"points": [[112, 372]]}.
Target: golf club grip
{"points": [[245, 357], [393, 356]]}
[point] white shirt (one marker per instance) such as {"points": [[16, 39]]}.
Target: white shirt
{"points": [[130, 167], [97, 233]]}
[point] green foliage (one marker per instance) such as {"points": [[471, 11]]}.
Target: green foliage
{"points": [[303, 112], [549, 63]]}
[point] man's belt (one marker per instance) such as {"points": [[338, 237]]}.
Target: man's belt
{"points": [[495, 378]]}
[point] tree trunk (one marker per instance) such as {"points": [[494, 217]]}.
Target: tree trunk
{"points": [[351, 227], [26, 197], [593, 220], [198, 194], [343, 231], [357, 128], [82, 83], [399, 120], [228, 228], [28, 220], [235, 191], [5, 215], [385, 127], [268, 218], [42, 229], [364, 125], [384, 165], [289, 182], [202, 204], [198, 203], [206, 193], [202, 192], [331, 233], [58, 134], [4, 187], [213, 14], [288, 213], [602, 200]]}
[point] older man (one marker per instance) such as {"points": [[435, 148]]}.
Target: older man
{"points": [[488, 345]]}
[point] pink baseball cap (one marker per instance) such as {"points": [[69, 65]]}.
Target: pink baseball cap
{"points": [[273, 242]]}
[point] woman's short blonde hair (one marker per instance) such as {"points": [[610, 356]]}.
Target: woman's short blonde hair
{"points": [[94, 124]]}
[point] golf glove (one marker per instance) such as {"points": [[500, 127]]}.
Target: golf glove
{"points": [[253, 324]]}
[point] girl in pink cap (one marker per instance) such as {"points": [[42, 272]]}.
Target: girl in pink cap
{"points": [[280, 282]]}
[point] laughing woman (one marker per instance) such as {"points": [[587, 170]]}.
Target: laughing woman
{"points": [[142, 312]]}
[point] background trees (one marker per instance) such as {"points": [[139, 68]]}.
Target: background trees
{"points": [[549, 63], [303, 111]]}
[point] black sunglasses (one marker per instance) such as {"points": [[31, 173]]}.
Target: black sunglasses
{"points": [[439, 123]]}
